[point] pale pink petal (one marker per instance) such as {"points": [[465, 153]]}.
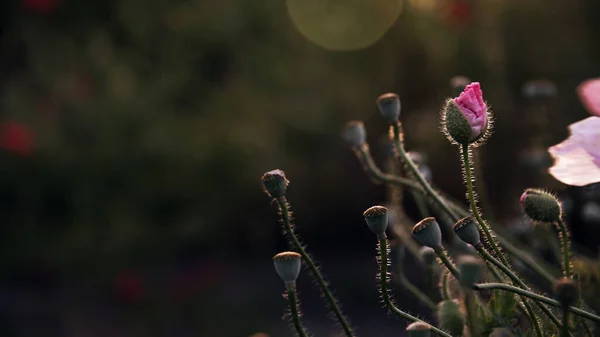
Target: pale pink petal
{"points": [[589, 94], [587, 134], [575, 168]]}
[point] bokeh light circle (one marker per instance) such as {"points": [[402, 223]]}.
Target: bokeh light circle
{"points": [[343, 24]]}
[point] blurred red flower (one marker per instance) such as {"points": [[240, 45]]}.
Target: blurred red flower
{"points": [[40, 6], [129, 286], [458, 14], [16, 138]]}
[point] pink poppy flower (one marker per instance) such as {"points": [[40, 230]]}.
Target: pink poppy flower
{"points": [[577, 159], [589, 94], [471, 103]]}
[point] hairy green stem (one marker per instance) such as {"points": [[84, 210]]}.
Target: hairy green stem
{"points": [[564, 236], [292, 298], [515, 279], [287, 224], [471, 194], [383, 284], [445, 290], [537, 297], [415, 172], [441, 253]]}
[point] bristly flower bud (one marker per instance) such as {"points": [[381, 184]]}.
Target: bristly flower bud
{"points": [[458, 84], [428, 233], [355, 134], [566, 291], [469, 268], [540, 205], [389, 106], [467, 230], [287, 265], [419, 329], [465, 118], [428, 255], [376, 218], [274, 183], [451, 317]]}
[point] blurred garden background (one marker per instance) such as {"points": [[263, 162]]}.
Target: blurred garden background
{"points": [[133, 134]]}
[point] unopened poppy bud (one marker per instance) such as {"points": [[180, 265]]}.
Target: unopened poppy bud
{"points": [[465, 118], [287, 265], [274, 183], [467, 231], [354, 133], [469, 268], [428, 255], [451, 317], [427, 232], [540, 205], [389, 106], [419, 329], [566, 291], [376, 218]]}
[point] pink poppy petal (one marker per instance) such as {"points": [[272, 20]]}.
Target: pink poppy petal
{"points": [[589, 94], [575, 166]]}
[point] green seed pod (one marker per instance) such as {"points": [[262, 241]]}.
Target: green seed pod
{"points": [[427, 232], [389, 106], [419, 329], [540, 205], [354, 133], [469, 268], [566, 291], [467, 230], [287, 265], [376, 218], [274, 183], [451, 317]]}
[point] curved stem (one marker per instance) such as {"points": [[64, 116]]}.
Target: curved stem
{"points": [[564, 236], [470, 305], [383, 284], [471, 194], [415, 172], [441, 253], [537, 297], [376, 174], [287, 224], [514, 278], [292, 298], [445, 290]]}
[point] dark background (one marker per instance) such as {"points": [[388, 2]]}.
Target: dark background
{"points": [[133, 134]]}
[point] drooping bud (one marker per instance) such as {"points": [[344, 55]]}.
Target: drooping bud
{"points": [[354, 133], [566, 291], [469, 268], [274, 183], [451, 317], [287, 265], [467, 230], [428, 233], [428, 255], [389, 106], [458, 84], [376, 218], [419, 329], [540, 205], [465, 118]]}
